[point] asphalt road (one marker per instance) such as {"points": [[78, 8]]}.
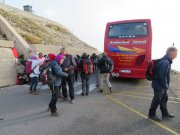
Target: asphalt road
{"points": [[124, 112]]}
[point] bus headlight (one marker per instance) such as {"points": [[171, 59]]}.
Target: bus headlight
{"points": [[113, 74], [117, 74]]}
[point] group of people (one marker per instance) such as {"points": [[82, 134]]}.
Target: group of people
{"points": [[62, 70]]}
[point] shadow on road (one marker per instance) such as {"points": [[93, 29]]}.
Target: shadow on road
{"points": [[129, 81]]}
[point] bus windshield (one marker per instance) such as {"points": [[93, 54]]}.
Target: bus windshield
{"points": [[128, 30]]}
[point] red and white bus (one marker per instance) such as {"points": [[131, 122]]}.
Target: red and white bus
{"points": [[129, 45]]}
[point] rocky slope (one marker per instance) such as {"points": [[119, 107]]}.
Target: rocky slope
{"points": [[38, 30]]}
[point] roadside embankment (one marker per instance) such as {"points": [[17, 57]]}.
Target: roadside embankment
{"points": [[175, 82]]}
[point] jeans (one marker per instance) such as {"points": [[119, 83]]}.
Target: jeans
{"points": [[34, 83], [68, 80], [85, 83], [160, 98], [52, 104]]}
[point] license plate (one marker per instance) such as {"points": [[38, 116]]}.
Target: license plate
{"points": [[125, 71]]}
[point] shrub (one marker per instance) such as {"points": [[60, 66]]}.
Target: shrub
{"points": [[32, 39]]}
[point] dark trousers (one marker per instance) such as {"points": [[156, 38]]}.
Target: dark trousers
{"points": [[68, 80], [34, 83], [85, 83], [160, 98], [52, 104], [59, 94], [76, 75]]}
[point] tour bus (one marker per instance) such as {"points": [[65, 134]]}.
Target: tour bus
{"points": [[128, 43]]}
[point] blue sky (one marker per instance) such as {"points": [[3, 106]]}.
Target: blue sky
{"points": [[87, 18]]}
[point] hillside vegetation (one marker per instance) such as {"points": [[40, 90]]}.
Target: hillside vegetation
{"points": [[38, 30]]}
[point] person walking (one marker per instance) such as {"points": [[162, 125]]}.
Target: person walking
{"points": [[57, 75], [68, 66], [87, 68], [97, 70], [161, 85], [106, 66], [35, 73]]}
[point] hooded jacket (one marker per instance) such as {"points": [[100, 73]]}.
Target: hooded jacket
{"points": [[163, 70], [57, 73]]}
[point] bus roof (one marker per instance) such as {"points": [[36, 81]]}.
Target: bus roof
{"points": [[125, 21]]}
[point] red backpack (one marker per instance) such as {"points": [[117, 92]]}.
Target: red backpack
{"points": [[151, 71], [88, 67], [28, 67]]}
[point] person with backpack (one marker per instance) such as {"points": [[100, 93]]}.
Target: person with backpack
{"points": [[32, 68], [160, 84], [76, 70], [56, 82], [93, 58], [87, 69], [106, 66], [97, 70], [44, 69], [68, 66]]}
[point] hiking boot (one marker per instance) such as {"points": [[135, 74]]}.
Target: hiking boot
{"points": [[72, 101], [100, 91], [155, 118], [55, 114], [168, 116], [35, 93], [82, 94]]}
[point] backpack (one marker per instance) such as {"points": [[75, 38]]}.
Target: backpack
{"points": [[28, 67], [93, 57], [151, 71], [106, 65], [88, 67], [46, 76]]}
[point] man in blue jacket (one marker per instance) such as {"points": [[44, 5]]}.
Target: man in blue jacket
{"points": [[161, 85], [57, 75]]}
